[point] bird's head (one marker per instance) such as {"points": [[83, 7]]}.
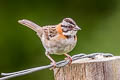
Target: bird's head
{"points": [[69, 27]]}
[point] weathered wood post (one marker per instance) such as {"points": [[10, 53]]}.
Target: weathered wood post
{"points": [[104, 68]]}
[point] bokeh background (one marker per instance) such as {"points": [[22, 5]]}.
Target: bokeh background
{"points": [[20, 48]]}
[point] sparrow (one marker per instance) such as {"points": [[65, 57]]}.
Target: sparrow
{"points": [[57, 39]]}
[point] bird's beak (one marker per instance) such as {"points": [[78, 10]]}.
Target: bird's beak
{"points": [[77, 28]]}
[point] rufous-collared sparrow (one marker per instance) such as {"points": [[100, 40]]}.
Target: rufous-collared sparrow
{"points": [[56, 39]]}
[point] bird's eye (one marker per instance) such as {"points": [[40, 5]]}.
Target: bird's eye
{"points": [[70, 26]]}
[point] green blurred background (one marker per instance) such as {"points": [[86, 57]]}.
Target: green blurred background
{"points": [[20, 48]]}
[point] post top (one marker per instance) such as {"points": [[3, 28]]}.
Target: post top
{"points": [[96, 59]]}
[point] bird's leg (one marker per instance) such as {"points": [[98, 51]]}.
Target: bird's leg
{"points": [[68, 57], [51, 59]]}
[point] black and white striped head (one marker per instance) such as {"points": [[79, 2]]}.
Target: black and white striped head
{"points": [[69, 26]]}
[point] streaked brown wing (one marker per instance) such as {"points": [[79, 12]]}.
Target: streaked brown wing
{"points": [[50, 31]]}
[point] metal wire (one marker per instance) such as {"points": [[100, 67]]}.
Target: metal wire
{"points": [[58, 65]]}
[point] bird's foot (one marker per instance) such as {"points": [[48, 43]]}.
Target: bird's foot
{"points": [[70, 59], [54, 65]]}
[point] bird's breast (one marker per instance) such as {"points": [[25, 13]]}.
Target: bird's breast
{"points": [[59, 44]]}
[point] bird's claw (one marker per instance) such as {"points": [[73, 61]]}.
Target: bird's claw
{"points": [[54, 65], [70, 60]]}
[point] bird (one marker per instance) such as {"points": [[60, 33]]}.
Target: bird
{"points": [[57, 39]]}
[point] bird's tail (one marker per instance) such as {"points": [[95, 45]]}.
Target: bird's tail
{"points": [[30, 24]]}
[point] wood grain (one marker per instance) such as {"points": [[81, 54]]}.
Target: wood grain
{"points": [[101, 68]]}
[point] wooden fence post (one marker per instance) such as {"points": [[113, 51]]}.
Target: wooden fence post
{"points": [[104, 68]]}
